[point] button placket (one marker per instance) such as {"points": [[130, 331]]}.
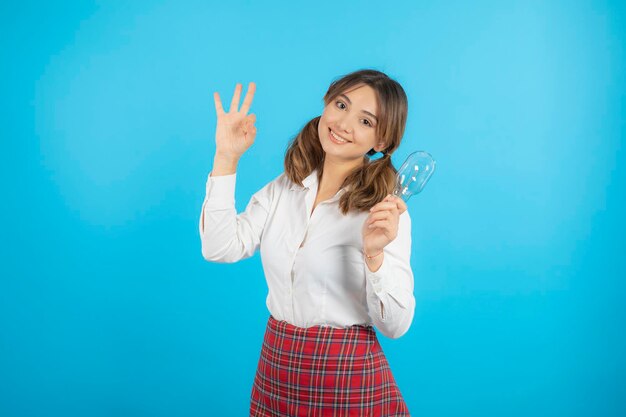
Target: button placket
{"points": [[292, 273], [310, 194]]}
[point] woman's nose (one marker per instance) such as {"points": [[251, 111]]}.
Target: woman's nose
{"points": [[344, 125]]}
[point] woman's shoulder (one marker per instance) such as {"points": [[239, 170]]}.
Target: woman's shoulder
{"points": [[277, 183], [280, 180], [283, 181]]}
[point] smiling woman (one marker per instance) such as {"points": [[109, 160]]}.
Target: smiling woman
{"points": [[367, 110], [320, 353]]}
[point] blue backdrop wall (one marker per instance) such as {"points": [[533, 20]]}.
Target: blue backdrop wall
{"points": [[107, 307]]}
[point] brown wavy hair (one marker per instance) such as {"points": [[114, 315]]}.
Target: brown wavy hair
{"points": [[371, 182]]}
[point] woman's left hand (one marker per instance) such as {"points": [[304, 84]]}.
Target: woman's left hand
{"points": [[384, 218]]}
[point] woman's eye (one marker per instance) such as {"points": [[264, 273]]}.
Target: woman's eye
{"points": [[367, 122], [339, 104]]}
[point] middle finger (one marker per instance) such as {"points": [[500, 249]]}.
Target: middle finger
{"points": [[234, 103], [384, 205]]}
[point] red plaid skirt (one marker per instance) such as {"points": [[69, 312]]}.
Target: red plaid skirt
{"points": [[323, 371]]}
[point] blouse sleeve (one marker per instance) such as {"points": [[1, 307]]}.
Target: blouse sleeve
{"points": [[226, 236], [392, 285]]}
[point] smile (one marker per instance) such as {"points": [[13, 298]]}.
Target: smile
{"points": [[337, 139]]}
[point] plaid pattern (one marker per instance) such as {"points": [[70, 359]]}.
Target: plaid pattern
{"points": [[323, 371]]}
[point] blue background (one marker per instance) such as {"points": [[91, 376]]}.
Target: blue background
{"points": [[107, 307]]}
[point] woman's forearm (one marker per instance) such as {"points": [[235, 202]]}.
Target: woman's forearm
{"points": [[224, 165]]}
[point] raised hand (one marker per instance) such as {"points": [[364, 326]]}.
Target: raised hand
{"points": [[235, 131], [381, 225]]}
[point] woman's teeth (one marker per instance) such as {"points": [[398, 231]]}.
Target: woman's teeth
{"points": [[337, 138]]}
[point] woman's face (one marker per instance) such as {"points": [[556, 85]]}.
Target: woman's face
{"points": [[347, 127]]}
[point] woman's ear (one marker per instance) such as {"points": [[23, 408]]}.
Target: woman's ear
{"points": [[379, 146]]}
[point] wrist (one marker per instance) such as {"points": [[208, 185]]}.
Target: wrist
{"points": [[227, 157], [371, 254], [224, 164], [373, 260]]}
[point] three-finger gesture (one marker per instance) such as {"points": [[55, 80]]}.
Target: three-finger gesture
{"points": [[235, 131], [381, 225]]}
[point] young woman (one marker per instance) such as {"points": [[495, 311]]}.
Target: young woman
{"points": [[335, 247]]}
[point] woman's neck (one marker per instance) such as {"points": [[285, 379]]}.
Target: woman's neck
{"points": [[334, 174]]}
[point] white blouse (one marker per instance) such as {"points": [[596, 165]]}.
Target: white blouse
{"points": [[313, 263]]}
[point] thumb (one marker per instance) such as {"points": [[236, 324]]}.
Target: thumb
{"points": [[250, 130]]}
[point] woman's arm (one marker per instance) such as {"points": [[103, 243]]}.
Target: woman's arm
{"points": [[226, 236], [222, 165], [389, 287], [389, 278]]}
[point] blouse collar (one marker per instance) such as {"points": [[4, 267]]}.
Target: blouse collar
{"points": [[311, 181]]}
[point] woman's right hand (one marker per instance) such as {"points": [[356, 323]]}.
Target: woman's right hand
{"points": [[235, 131]]}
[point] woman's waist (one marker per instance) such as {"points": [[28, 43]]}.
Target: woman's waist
{"points": [[320, 338]]}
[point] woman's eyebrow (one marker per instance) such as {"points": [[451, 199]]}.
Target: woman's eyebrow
{"points": [[364, 111]]}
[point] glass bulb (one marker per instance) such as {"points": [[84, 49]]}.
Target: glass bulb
{"points": [[414, 174]]}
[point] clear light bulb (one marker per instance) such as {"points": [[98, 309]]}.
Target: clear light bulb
{"points": [[414, 174]]}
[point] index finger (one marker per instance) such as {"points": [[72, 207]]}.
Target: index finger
{"points": [[247, 101], [402, 207]]}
